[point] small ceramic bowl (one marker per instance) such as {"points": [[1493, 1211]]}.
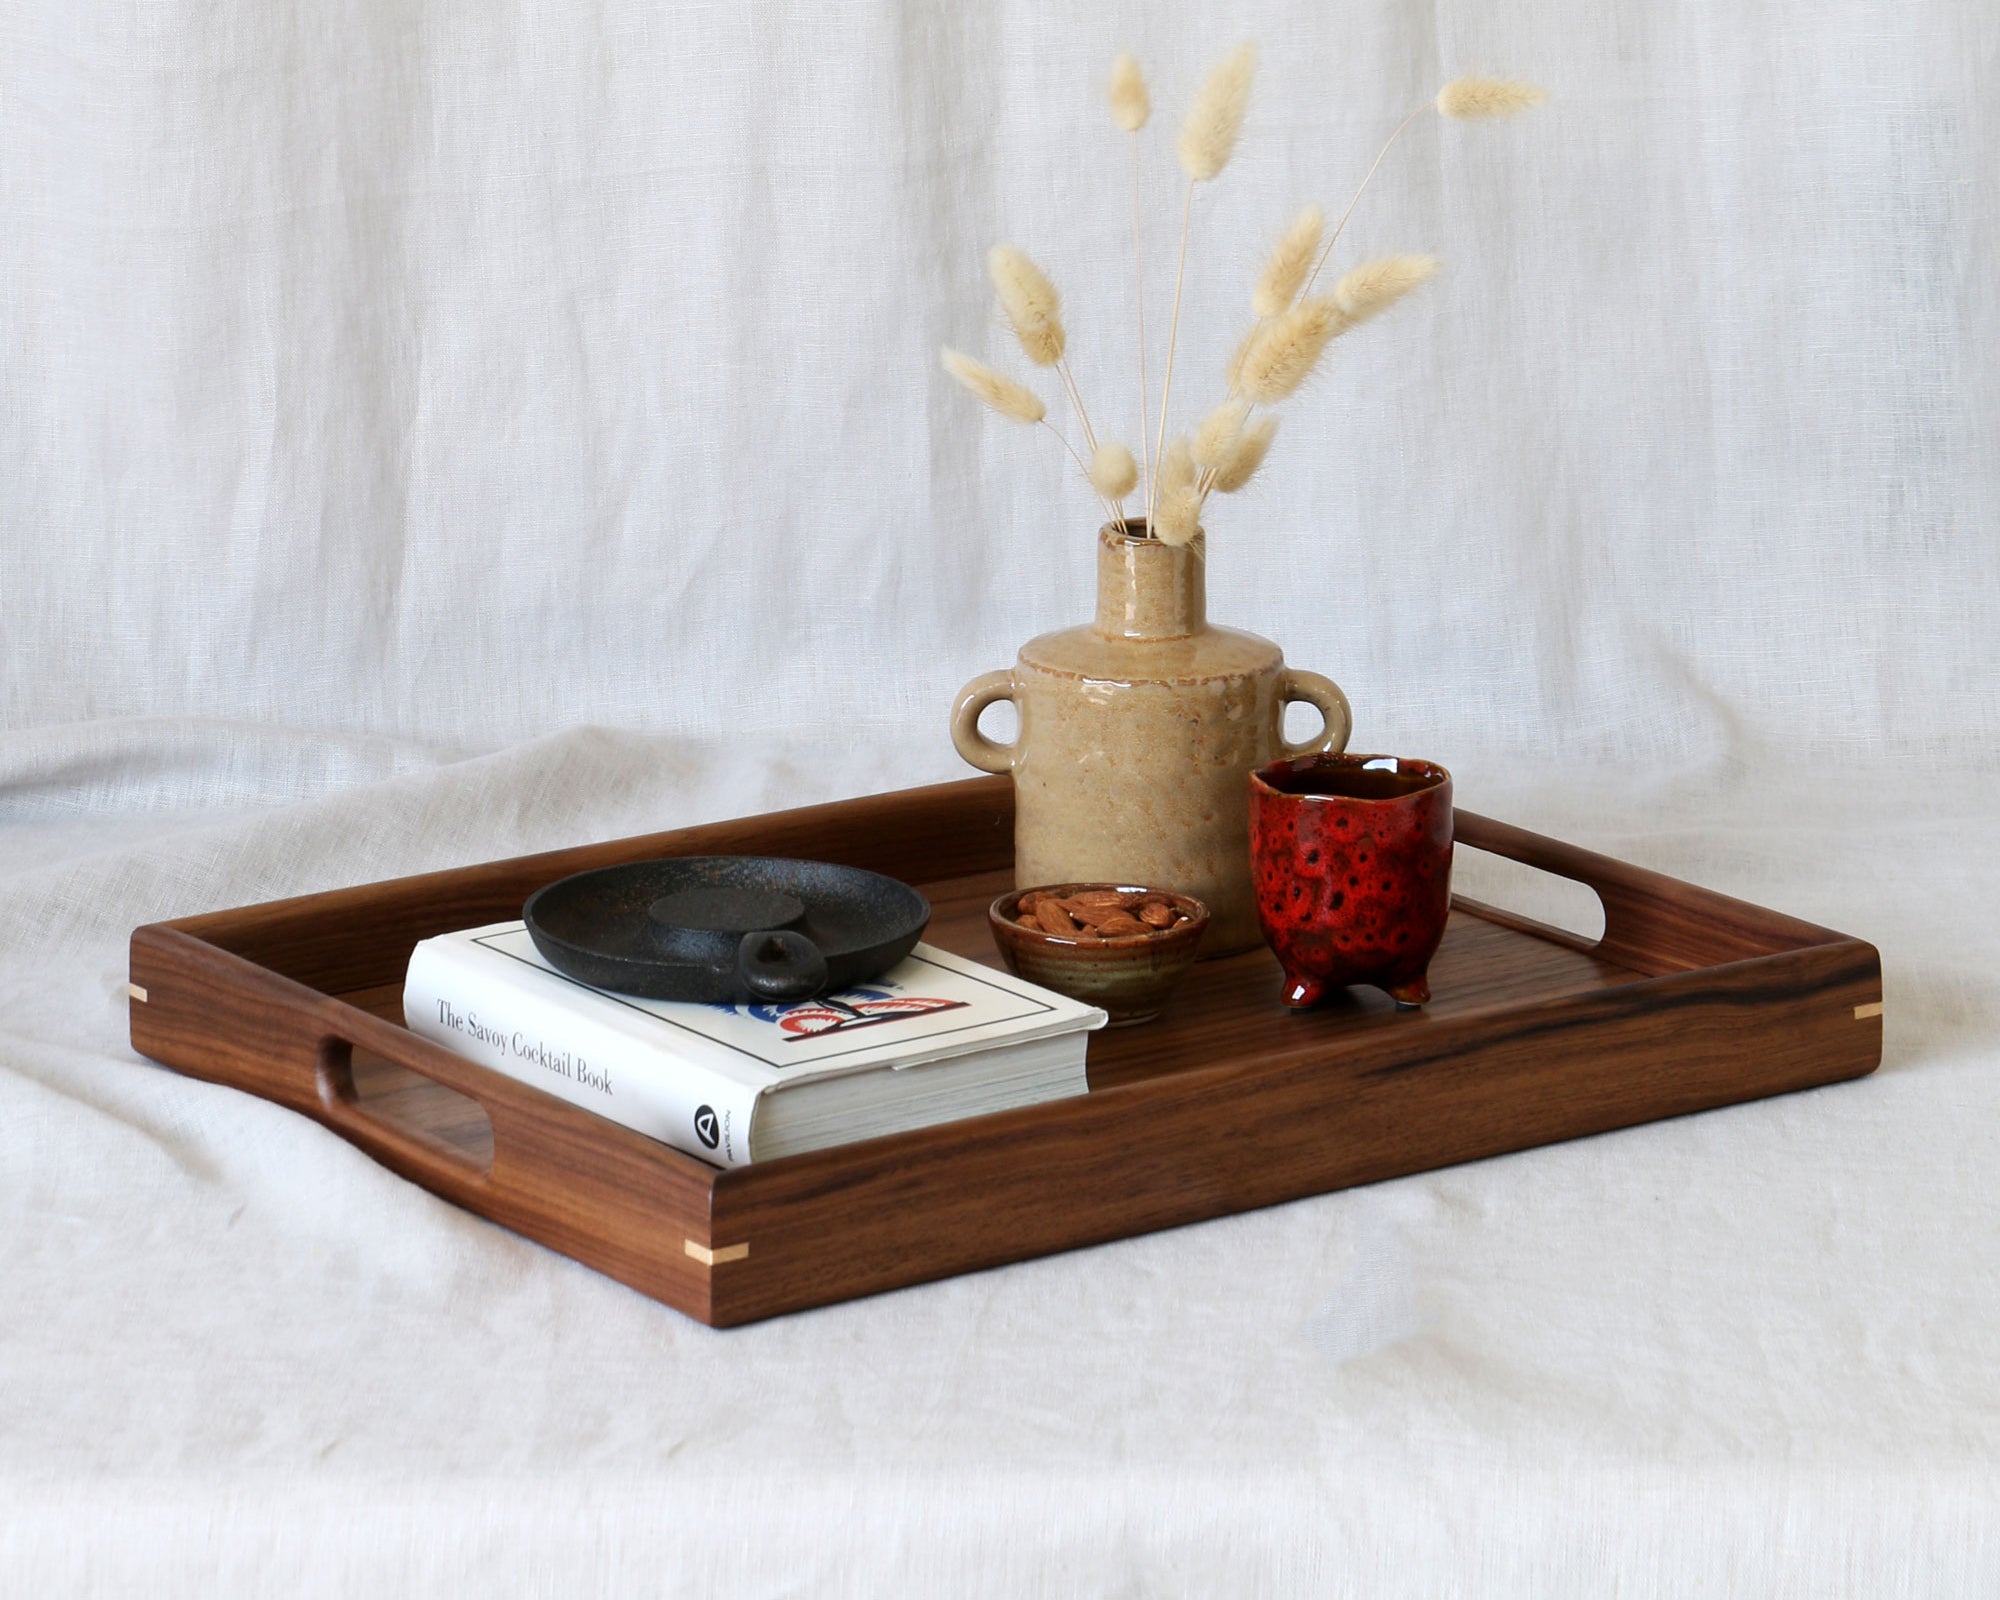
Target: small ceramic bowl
{"points": [[1130, 976]]}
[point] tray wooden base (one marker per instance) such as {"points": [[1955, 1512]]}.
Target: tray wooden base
{"points": [[1690, 1000]]}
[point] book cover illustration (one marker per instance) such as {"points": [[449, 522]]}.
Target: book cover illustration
{"points": [[842, 1013], [930, 1004]]}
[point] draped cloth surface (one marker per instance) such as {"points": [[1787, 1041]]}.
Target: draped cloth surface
{"points": [[430, 434]]}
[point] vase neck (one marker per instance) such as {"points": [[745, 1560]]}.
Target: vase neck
{"points": [[1148, 590]]}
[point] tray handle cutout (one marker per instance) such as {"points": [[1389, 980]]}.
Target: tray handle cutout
{"points": [[1653, 925], [397, 1111], [1528, 894]]}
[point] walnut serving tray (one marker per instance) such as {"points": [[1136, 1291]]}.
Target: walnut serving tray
{"points": [[1690, 1000]]}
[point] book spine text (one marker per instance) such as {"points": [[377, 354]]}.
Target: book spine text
{"points": [[457, 1000]]}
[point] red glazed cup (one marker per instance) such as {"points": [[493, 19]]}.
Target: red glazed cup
{"points": [[1352, 860]]}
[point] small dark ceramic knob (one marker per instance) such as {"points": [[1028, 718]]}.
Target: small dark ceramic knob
{"points": [[780, 965]]}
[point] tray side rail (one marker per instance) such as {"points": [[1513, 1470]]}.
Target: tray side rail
{"points": [[613, 1199], [1653, 924], [1331, 1113], [359, 938]]}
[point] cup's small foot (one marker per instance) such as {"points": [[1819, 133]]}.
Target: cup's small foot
{"points": [[1409, 996], [1302, 992]]}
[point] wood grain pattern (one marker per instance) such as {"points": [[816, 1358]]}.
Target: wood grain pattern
{"points": [[1691, 1000], [361, 937]]}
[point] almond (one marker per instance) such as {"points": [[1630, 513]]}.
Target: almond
{"points": [[1092, 915], [1054, 919]]}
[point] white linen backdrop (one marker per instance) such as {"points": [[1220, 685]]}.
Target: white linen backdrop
{"points": [[433, 432]]}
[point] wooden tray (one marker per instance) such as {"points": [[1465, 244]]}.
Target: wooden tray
{"points": [[1690, 1000]]}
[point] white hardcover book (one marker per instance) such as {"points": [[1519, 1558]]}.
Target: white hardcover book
{"points": [[935, 1039]]}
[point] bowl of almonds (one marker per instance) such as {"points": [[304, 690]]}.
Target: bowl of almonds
{"points": [[1115, 945]]}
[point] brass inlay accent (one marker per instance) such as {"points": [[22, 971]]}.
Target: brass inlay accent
{"points": [[715, 1258], [136, 992], [1862, 1013]]}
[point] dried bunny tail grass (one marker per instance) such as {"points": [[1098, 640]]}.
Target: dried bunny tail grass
{"points": [[1374, 286], [1215, 440], [1284, 351], [1291, 259], [1002, 393], [1030, 301], [1176, 470], [1178, 520], [1131, 105], [1487, 97], [1341, 226], [1252, 445], [1208, 137], [1113, 472], [1232, 374]]}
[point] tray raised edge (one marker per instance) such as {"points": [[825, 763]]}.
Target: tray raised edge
{"points": [[1732, 1002]]}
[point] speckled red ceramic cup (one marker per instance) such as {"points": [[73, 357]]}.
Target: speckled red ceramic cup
{"points": [[1352, 860]]}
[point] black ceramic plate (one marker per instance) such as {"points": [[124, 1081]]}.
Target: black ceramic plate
{"points": [[725, 928]]}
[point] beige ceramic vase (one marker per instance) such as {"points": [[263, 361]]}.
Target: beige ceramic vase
{"points": [[1137, 737]]}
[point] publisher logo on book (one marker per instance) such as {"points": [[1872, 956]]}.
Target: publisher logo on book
{"points": [[706, 1128]]}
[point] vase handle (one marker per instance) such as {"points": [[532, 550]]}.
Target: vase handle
{"points": [[1323, 694], [975, 697]]}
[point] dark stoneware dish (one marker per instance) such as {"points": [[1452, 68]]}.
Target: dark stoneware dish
{"points": [[725, 928], [1129, 977], [1352, 860]]}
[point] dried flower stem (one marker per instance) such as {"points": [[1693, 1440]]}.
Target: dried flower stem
{"points": [[1082, 466], [1208, 138], [1333, 237], [1173, 333], [1205, 484], [1276, 357], [1139, 273], [1117, 514], [1131, 106], [1076, 401]]}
